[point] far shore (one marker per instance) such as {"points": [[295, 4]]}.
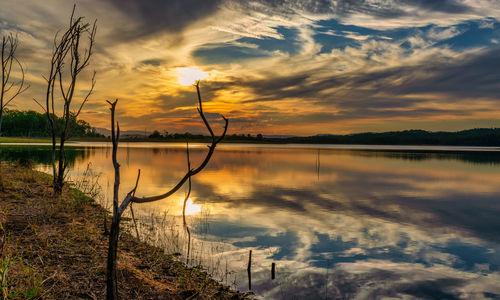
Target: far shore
{"points": [[480, 137]]}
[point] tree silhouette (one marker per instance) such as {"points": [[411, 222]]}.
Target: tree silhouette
{"points": [[9, 88], [119, 208], [69, 59]]}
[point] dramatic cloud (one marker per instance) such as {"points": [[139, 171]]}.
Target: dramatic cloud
{"points": [[154, 16], [279, 67]]}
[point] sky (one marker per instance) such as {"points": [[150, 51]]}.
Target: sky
{"points": [[281, 67]]}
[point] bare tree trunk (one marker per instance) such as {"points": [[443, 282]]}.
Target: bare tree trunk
{"points": [[111, 279], [186, 198], [54, 170], [118, 209], [67, 56], [9, 89], [7, 94], [61, 167]]}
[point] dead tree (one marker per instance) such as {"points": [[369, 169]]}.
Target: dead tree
{"points": [[9, 88], [186, 198], [119, 208], [69, 58]]}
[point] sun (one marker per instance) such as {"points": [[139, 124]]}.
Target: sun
{"points": [[188, 76], [192, 208]]}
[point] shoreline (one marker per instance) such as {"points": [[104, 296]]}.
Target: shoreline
{"points": [[57, 248], [15, 141], [233, 146]]}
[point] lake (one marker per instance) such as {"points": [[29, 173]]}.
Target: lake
{"points": [[339, 222]]}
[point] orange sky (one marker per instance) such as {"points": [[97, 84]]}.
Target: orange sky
{"points": [[299, 68]]}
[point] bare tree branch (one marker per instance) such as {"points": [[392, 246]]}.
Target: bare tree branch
{"points": [[68, 61], [21, 88], [39, 104], [8, 63], [131, 208], [130, 198], [91, 90], [191, 172]]}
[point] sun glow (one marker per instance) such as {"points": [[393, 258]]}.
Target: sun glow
{"points": [[188, 76], [192, 208]]}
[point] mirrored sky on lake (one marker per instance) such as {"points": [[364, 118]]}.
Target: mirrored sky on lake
{"points": [[337, 222]]}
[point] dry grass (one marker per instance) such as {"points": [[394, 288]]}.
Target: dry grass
{"points": [[56, 249], [166, 231]]}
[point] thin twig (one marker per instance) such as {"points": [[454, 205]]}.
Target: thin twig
{"points": [[191, 172]]}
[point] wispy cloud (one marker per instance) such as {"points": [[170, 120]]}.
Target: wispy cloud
{"points": [[322, 64]]}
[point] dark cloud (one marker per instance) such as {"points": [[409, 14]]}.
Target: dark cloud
{"points": [[475, 76], [226, 53], [342, 8], [369, 95], [289, 43], [329, 42], [275, 86], [447, 6], [151, 16], [153, 62], [381, 94], [182, 99]]}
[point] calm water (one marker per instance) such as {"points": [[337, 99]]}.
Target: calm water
{"points": [[343, 222]]}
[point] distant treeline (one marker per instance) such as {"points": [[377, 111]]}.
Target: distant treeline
{"points": [[471, 137], [189, 136], [30, 123]]}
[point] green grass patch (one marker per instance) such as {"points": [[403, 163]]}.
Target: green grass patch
{"points": [[23, 140]]}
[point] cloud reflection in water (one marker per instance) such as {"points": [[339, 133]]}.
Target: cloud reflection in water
{"points": [[417, 224]]}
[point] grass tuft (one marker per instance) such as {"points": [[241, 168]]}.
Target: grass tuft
{"points": [[56, 248]]}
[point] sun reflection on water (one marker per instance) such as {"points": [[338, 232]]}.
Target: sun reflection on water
{"points": [[377, 220]]}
